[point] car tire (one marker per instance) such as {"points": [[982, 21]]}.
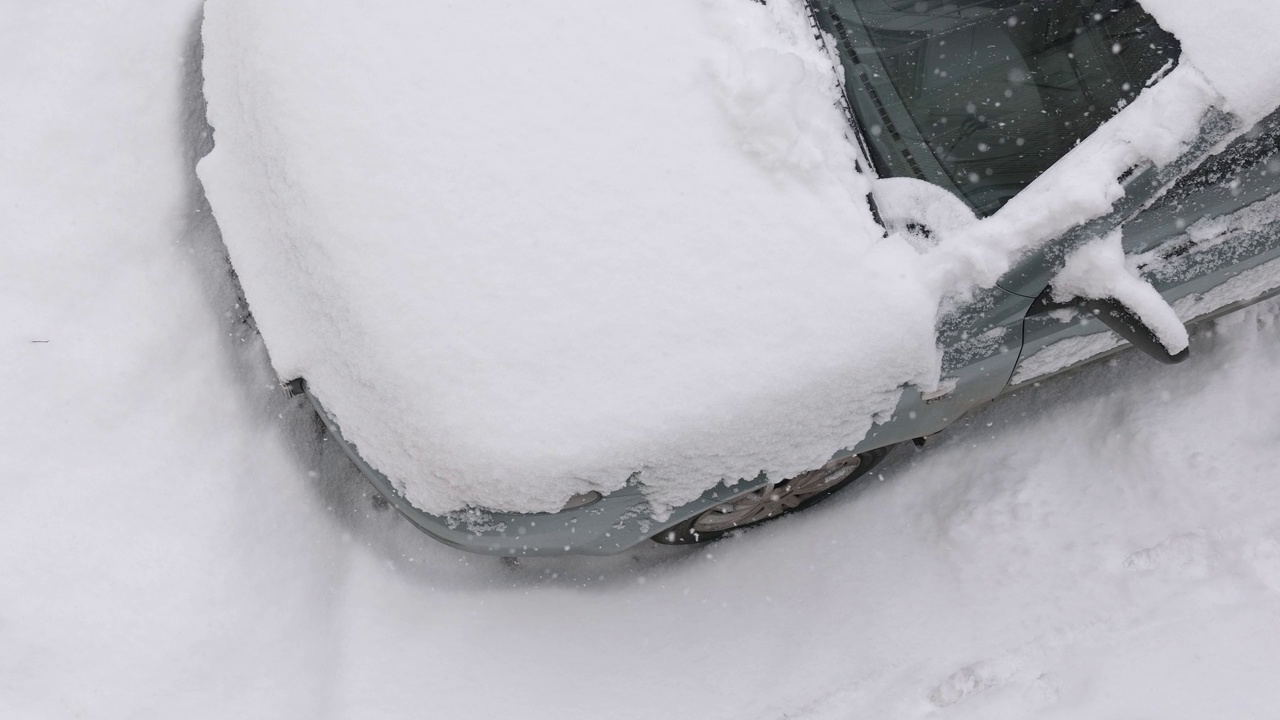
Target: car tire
{"points": [[772, 501]]}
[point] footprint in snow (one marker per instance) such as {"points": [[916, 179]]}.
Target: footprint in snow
{"points": [[1183, 553], [1265, 558], [989, 675]]}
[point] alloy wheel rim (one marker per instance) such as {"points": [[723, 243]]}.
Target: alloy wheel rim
{"points": [[775, 499]]}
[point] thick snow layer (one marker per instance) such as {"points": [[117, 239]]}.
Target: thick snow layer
{"points": [[175, 543], [156, 533], [546, 250], [906, 204], [1233, 42]]}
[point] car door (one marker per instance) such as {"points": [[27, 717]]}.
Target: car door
{"points": [[1210, 243], [1206, 243]]}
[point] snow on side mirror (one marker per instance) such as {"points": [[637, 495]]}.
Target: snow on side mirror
{"points": [[922, 211], [1096, 279], [1129, 326]]}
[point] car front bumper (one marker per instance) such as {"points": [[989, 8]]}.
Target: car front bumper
{"points": [[607, 526], [624, 518]]}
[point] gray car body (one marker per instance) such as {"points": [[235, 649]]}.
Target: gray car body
{"points": [[983, 341]]}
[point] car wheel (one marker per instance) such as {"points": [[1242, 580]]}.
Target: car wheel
{"points": [[773, 500]]}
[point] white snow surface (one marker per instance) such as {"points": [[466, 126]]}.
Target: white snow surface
{"points": [[549, 249], [1233, 42], [903, 201], [174, 542]]}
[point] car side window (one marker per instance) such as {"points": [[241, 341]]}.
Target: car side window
{"points": [[1209, 219], [1260, 146]]}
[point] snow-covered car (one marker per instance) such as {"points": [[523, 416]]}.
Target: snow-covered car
{"points": [[596, 276]]}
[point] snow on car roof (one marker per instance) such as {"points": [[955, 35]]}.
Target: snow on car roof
{"points": [[1233, 43], [523, 251]]}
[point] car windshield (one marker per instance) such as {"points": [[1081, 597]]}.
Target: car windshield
{"points": [[982, 96]]}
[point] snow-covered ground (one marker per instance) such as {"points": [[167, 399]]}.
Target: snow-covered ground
{"points": [[177, 540]]}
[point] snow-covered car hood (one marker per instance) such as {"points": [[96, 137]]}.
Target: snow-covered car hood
{"points": [[522, 252]]}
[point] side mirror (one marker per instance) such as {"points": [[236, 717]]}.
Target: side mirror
{"points": [[1119, 319]]}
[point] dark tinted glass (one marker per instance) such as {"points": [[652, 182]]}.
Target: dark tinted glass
{"points": [[983, 96], [1259, 146]]}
